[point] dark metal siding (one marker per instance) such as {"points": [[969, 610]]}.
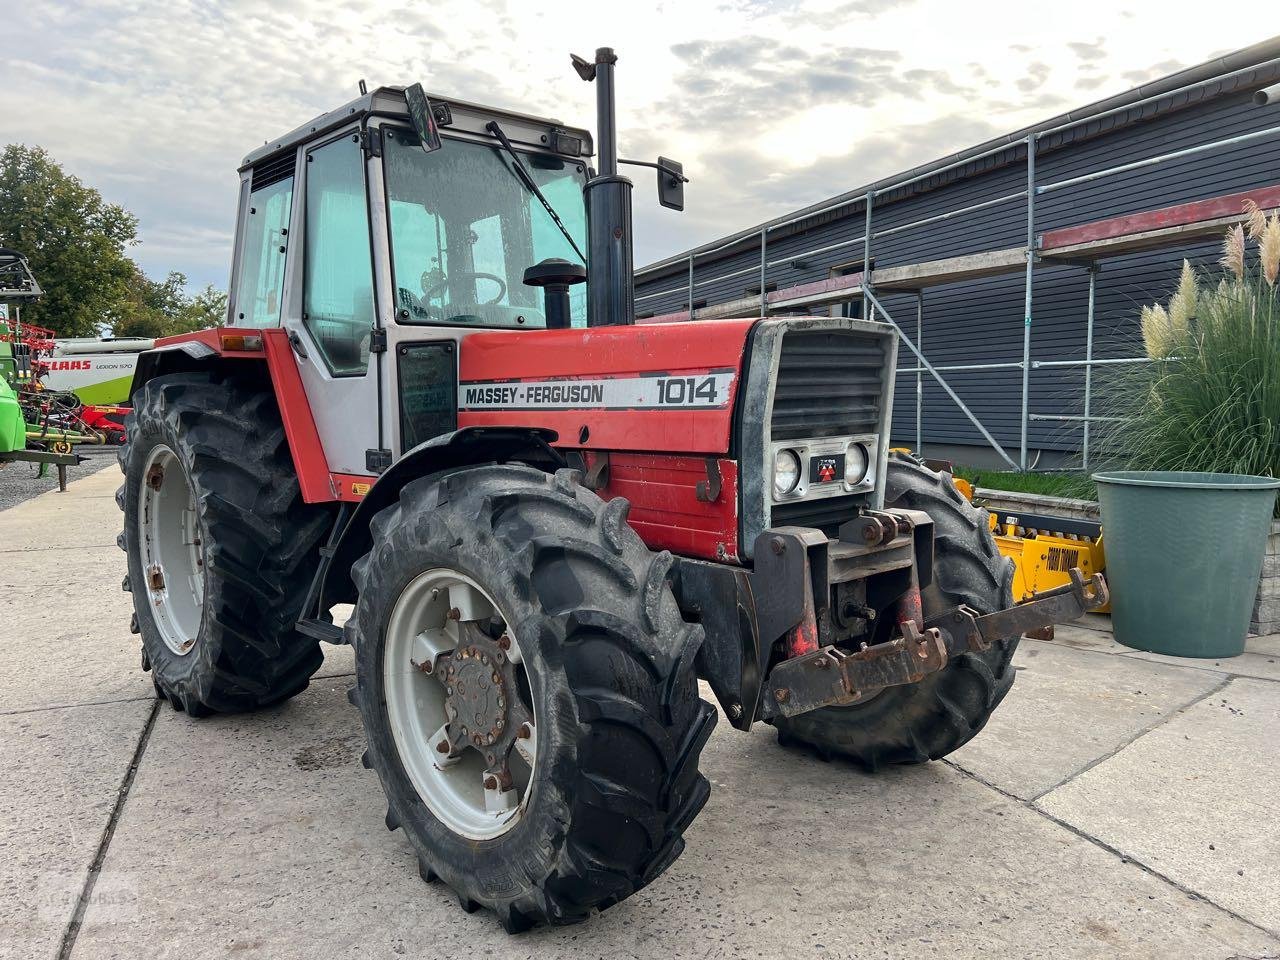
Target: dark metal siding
{"points": [[981, 321]]}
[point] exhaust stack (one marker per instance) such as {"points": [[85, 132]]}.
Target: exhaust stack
{"points": [[611, 281]]}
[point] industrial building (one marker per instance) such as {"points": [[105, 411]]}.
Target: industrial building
{"points": [[1015, 269]]}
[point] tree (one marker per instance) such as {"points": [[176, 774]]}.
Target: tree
{"points": [[74, 240], [76, 243], [163, 308]]}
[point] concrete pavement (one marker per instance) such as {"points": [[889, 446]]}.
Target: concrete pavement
{"points": [[1117, 805]]}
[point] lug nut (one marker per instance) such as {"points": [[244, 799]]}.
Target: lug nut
{"points": [[490, 783], [504, 642]]}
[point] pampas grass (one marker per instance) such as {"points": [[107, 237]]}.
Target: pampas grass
{"points": [[1269, 249], [1233, 252]]}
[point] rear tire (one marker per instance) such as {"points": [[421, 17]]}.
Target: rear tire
{"points": [[252, 541], [609, 666], [930, 719]]}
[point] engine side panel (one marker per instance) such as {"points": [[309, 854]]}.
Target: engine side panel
{"points": [[666, 508]]}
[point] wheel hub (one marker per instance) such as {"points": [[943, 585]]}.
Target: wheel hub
{"points": [[481, 709], [476, 692]]}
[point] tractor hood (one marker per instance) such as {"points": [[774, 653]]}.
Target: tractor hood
{"points": [[659, 387]]}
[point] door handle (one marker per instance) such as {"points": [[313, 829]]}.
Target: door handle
{"points": [[295, 341]]}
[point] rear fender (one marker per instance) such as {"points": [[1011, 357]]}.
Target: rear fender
{"points": [[468, 447], [189, 353]]}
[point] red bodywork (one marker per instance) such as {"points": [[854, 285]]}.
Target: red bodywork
{"points": [[658, 455]]}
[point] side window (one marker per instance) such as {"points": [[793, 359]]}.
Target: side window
{"points": [[262, 255], [337, 301]]}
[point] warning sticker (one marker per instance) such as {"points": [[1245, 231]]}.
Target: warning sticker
{"points": [[705, 391]]}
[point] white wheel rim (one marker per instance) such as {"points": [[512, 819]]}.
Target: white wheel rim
{"points": [[171, 550], [457, 783]]}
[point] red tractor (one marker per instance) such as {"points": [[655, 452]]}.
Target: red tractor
{"points": [[552, 521]]}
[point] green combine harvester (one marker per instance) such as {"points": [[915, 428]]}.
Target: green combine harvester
{"points": [[53, 448]]}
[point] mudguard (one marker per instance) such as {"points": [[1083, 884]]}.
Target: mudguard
{"points": [[462, 448]]}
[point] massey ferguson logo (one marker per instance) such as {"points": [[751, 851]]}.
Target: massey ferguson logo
{"points": [[706, 391]]}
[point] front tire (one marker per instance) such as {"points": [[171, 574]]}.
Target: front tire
{"points": [[930, 719], [606, 665], [220, 545]]}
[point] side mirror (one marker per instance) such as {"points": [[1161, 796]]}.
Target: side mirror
{"points": [[671, 181], [423, 118]]}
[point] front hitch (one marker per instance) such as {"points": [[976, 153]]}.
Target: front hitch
{"points": [[831, 677]]}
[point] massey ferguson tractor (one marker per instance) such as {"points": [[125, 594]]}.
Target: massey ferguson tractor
{"points": [[432, 401]]}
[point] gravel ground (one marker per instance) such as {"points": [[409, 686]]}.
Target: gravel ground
{"points": [[20, 481]]}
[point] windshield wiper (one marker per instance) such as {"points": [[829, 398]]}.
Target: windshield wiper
{"points": [[522, 172]]}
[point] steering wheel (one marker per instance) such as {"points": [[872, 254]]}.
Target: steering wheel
{"points": [[432, 291]]}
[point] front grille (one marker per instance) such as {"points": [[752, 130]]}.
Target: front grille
{"points": [[825, 514], [829, 384]]}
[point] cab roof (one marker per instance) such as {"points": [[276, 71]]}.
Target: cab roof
{"points": [[521, 128]]}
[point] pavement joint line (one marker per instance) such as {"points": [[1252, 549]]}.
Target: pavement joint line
{"points": [[1103, 845], [1154, 725], [95, 868], [73, 706], [1195, 665]]}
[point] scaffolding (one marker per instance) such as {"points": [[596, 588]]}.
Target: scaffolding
{"points": [[1083, 245]]}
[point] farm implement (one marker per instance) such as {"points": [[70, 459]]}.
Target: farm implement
{"points": [[38, 425]]}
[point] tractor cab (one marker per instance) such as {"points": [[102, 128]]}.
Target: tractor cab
{"points": [[362, 234]]}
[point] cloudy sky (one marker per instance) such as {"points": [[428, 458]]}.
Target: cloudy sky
{"points": [[770, 104]]}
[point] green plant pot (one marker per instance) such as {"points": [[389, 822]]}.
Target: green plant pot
{"points": [[1184, 553]]}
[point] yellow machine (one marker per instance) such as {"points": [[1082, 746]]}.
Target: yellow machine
{"points": [[1044, 548]]}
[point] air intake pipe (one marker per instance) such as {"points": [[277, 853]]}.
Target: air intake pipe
{"points": [[611, 280]]}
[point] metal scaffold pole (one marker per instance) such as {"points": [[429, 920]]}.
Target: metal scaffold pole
{"points": [[764, 246], [1088, 367], [1026, 318], [691, 286], [867, 252], [920, 373]]}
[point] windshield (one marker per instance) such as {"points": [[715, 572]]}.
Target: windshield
{"points": [[464, 229]]}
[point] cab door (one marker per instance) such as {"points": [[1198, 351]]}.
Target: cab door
{"points": [[332, 314]]}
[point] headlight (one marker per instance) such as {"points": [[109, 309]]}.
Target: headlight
{"points": [[856, 463], [786, 472]]}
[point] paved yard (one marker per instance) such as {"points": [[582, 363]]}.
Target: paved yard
{"points": [[1119, 804]]}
